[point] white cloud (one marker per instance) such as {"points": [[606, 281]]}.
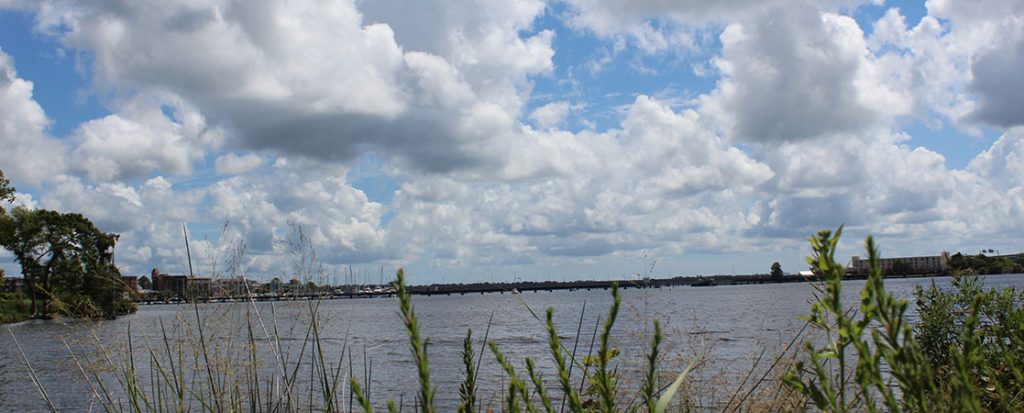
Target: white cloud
{"points": [[550, 115], [113, 207], [675, 22], [957, 61], [798, 74], [321, 80], [232, 164], [1002, 165], [138, 140], [659, 182], [29, 155], [801, 131]]}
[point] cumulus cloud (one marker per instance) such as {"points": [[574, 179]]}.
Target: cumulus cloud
{"points": [[29, 155], [1003, 163], [114, 207], [321, 80], [655, 26], [956, 62], [137, 140], [551, 114], [797, 74], [799, 132], [997, 81], [650, 184], [232, 164]]}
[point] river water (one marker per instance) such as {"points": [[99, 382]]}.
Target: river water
{"points": [[731, 325]]}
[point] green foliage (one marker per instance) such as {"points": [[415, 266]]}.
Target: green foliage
{"points": [[985, 329], [65, 260], [419, 346], [467, 390], [6, 190], [982, 264], [650, 384], [877, 335], [902, 267], [558, 353], [14, 307], [604, 381], [963, 356], [777, 270]]}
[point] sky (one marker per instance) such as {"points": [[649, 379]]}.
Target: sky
{"points": [[517, 139]]}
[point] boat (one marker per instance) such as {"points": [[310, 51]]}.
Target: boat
{"points": [[704, 282]]}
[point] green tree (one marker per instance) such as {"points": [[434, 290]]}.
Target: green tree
{"points": [[64, 258], [776, 270], [902, 267], [6, 190]]}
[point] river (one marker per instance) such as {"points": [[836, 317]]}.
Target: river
{"points": [[731, 324]]}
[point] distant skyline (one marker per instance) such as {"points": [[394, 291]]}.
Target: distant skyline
{"points": [[489, 140]]}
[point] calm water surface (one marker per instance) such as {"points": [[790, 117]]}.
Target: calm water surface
{"points": [[733, 323]]}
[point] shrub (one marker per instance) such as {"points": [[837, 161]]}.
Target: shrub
{"points": [[968, 318], [964, 355]]}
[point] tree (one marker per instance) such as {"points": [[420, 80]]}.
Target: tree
{"points": [[64, 257], [6, 190], [902, 267], [777, 270]]}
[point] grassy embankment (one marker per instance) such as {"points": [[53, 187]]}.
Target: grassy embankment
{"points": [[14, 307]]}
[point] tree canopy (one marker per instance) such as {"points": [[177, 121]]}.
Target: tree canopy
{"points": [[64, 259], [777, 270], [6, 190]]}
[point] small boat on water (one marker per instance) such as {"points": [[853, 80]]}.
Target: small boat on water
{"points": [[515, 291]]}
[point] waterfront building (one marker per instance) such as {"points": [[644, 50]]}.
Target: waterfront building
{"points": [[929, 264], [131, 282], [181, 286]]}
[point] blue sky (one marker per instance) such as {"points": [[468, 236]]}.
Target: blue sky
{"points": [[544, 140]]}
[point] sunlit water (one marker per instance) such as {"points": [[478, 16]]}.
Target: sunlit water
{"points": [[734, 323]]}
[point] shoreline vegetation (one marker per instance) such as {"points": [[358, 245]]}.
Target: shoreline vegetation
{"points": [[66, 262], [965, 353]]}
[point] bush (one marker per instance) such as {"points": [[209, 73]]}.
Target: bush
{"points": [[964, 355], [14, 307], [967, 318]]}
